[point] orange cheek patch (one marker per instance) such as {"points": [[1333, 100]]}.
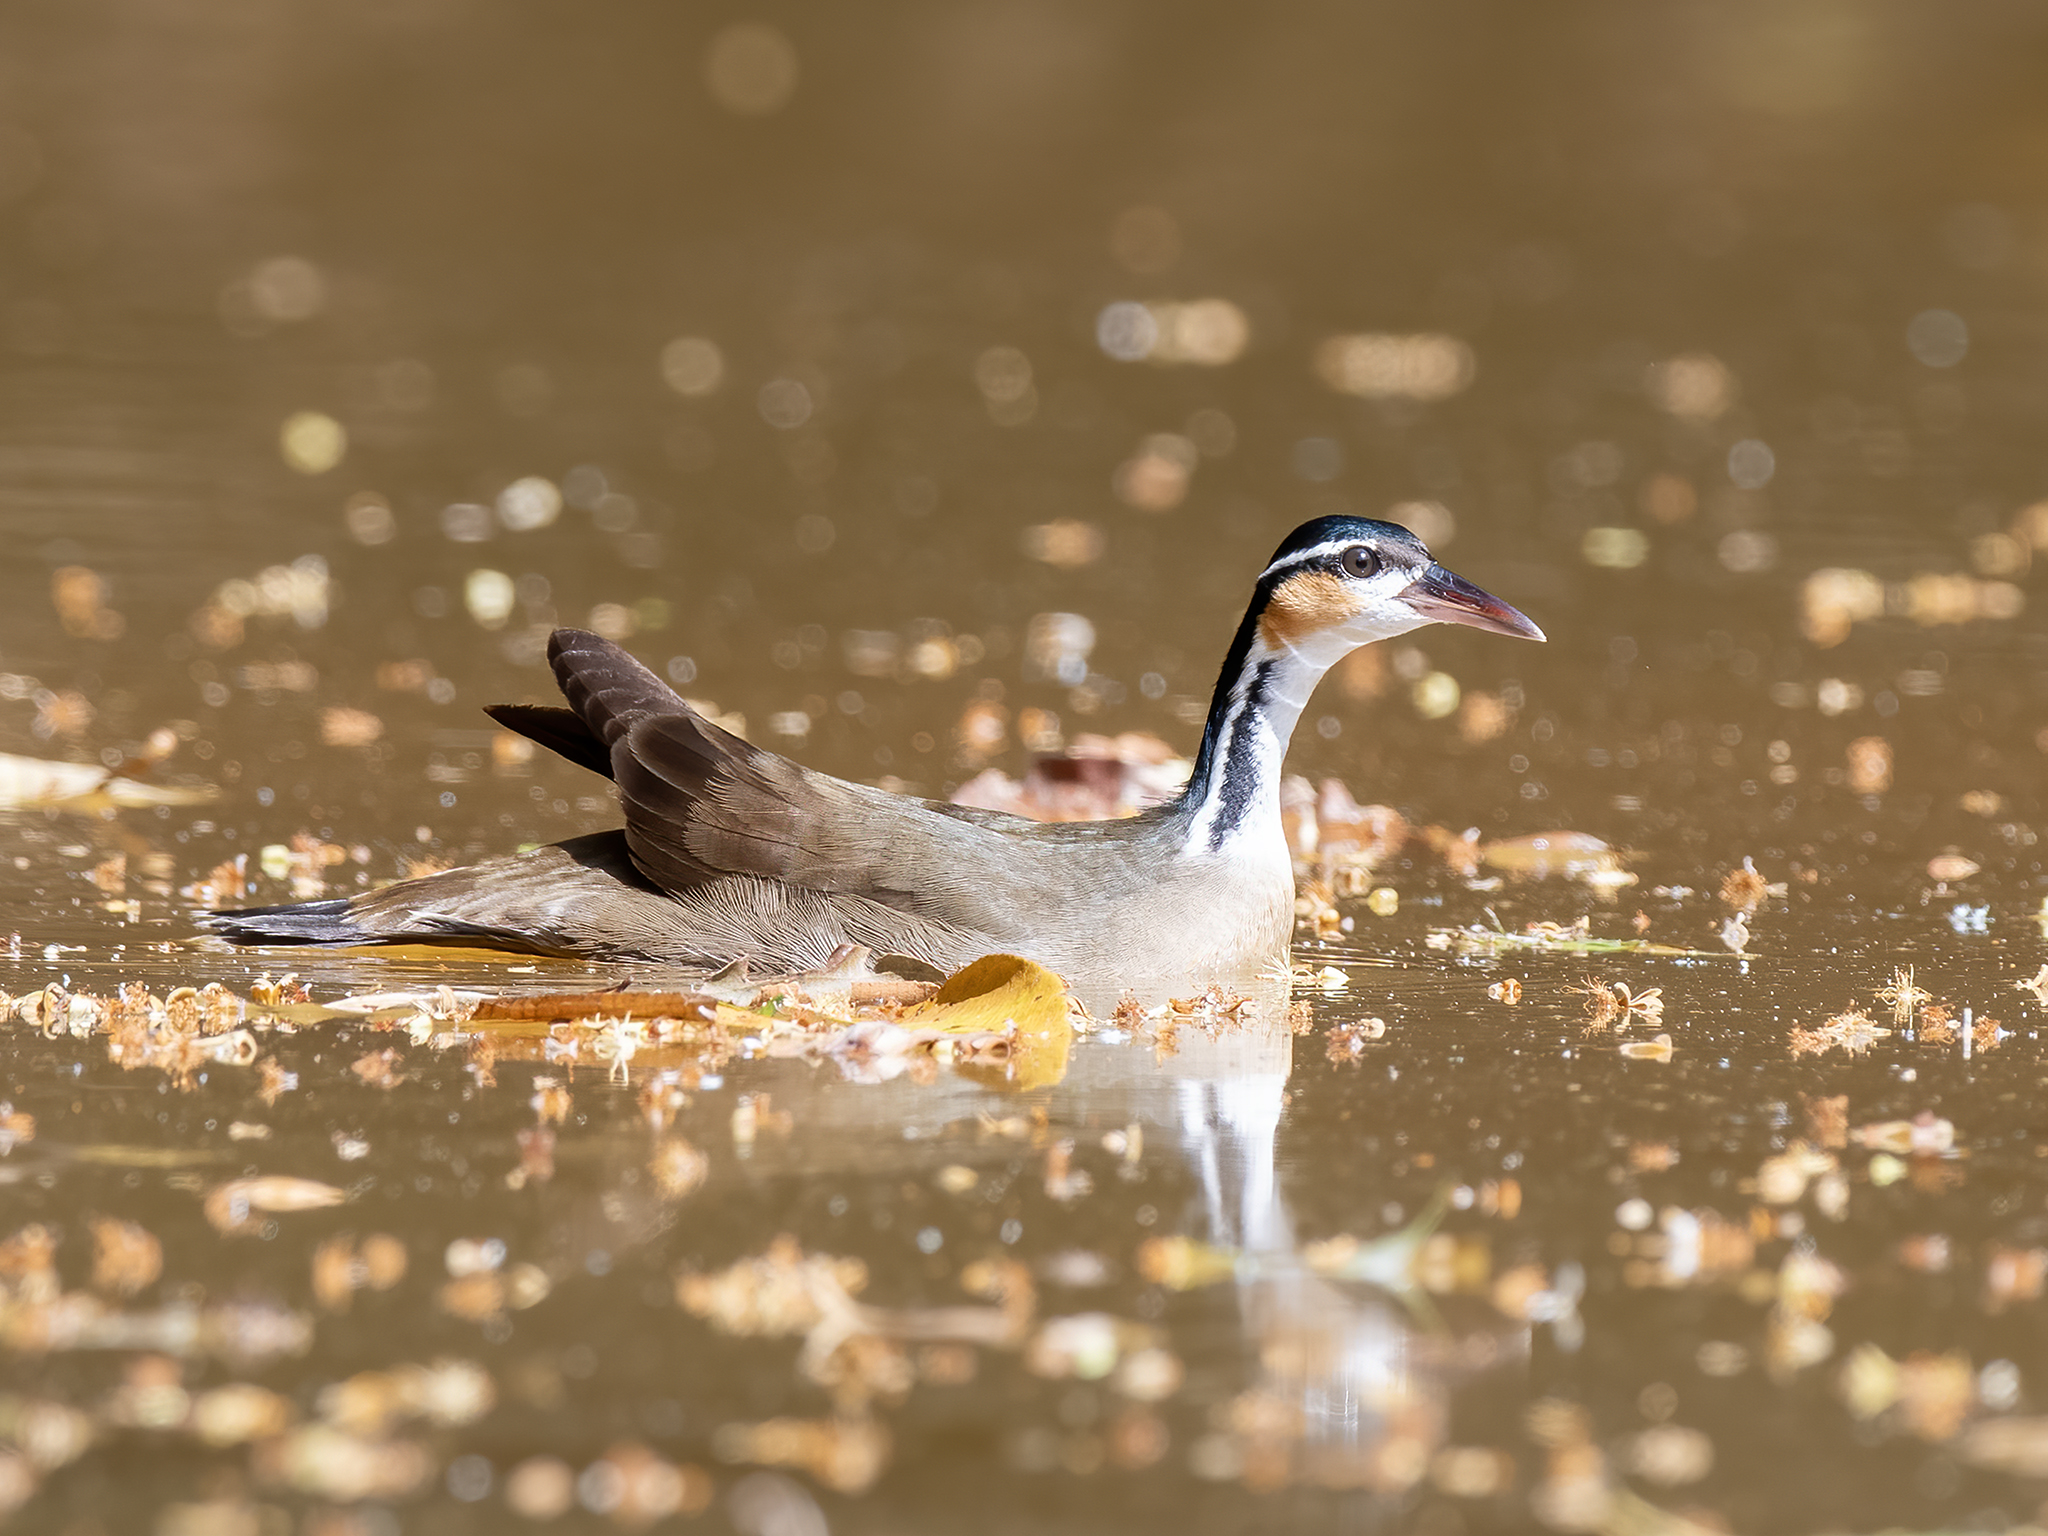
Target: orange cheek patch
{"points": [[1305, 605]]}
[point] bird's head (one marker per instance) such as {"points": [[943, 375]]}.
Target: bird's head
{"points": [[1342, 582]]}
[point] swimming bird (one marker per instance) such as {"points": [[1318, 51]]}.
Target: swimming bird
{"points": [[732, 852]]}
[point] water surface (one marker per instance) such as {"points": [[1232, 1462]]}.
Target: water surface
{"points": [[925, 388]]}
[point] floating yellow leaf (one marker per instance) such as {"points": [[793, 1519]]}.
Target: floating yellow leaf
{"points": [[1004, 994]]}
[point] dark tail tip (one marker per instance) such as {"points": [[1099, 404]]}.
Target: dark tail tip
{"points": [[311, 922]]}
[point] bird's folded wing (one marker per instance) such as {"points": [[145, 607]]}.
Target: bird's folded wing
{"points": [[699, 801], [703, 803]]}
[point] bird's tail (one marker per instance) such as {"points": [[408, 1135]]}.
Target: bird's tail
{"points": [[309, 922]]}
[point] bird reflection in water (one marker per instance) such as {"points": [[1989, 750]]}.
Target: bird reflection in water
{"points": [[1356, 1363]]}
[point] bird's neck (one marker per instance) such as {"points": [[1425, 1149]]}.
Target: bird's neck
{"points": [[1232, 800]]}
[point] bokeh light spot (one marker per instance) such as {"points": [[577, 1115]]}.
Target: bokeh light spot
{"points": [[1695, 386], [815, 533], [1057, 646], [1427, 366], [1436, 695], [784, 404], [1748, 551], [312, 442], [1669, 498], [369, 519], [1751, 464], [1429, 521], [1615, 549], [1126, 331], [1938, 337], [287, 288], [1003, 375], [1206, 333], [529, 502], [488, 595], [1156, 477], [1067, 543], [750, 68], [467, 523], [693, 365]]}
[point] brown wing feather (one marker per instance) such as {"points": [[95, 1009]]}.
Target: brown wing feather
{"points": [[661, 804], [608, 689], [698, 800], [694, 804]]}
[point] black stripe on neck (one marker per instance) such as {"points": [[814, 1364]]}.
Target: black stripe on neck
{"points": [[1239, 784], [1235, 662]]}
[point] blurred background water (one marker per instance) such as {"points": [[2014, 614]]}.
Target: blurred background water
{"points": [[816, 355]]}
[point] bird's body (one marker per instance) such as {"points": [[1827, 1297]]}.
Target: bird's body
{"points": [[733, 852]]}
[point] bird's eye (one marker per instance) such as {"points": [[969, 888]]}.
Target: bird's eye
{"points": [[1359, 561]]}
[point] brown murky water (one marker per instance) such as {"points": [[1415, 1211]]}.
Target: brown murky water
{"points": [[827, 357]]}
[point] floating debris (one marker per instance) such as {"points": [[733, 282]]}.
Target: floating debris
{"points": [[2038, 985], [1853, 1032], [126, 1258], [1745, 890], [342, 1266], [678, 1167], [1903, 997], [234, 1206], [1097, 778], [1611, 1002], [33, 783], [1004, 994], [1545, 937], [846, 1455], [1967, 919], [1870, 765]]}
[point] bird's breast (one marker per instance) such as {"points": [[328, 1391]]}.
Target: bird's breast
{"points": [[1202, 914]]}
